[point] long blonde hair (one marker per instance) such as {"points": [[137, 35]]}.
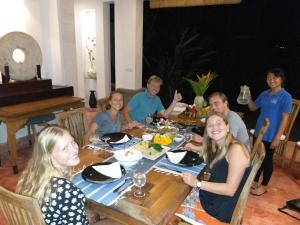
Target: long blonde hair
{"points": [[35, 179], [213, 153]]}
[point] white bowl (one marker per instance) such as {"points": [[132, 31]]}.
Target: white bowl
{"points": [[179, 108], [178, 138], [147, 137], [128, 157]]}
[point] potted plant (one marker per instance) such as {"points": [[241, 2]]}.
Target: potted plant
{"points": [[199, 87]]}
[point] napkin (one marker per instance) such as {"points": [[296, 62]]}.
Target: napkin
{"points": [[123, 140], [111, 170], [176, 157], [180, 107]]}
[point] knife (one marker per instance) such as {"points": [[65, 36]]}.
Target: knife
{"points": [[124, 182]]}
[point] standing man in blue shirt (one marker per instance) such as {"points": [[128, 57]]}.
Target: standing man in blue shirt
{"points": [[147, 103]]}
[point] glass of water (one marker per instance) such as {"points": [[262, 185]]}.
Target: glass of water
{"points": [[106, 139], [139, 180], [94, 138], [149, 119]]}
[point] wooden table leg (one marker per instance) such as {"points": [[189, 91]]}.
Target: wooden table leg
{"points": [[12, 127]]}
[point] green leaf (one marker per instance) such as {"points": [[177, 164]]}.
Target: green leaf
{"points": [[156, 147]]}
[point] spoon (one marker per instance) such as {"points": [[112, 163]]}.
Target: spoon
{"points": [[124, 182]]}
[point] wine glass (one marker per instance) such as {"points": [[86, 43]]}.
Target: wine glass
{"points": [[139, 180], [94, 138], [106, 139], [187, 136], [149, 119]]}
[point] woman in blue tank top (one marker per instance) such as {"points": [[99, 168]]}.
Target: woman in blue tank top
{"points": [[228, 160]]}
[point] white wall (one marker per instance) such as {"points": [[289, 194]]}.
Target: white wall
{"points": [[21, 15], [128, 43]]}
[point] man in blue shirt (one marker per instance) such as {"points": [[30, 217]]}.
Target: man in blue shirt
{"points": [[146, 103]]}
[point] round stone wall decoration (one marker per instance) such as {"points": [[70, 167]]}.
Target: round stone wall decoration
{"points": [[26, 67]]}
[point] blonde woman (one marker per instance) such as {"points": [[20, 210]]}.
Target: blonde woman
{"points": [[46, 178], [228, 160]]}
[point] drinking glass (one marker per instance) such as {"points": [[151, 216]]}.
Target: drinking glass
{"points": [[94, 138], [139, 180], [149, 119], [106, 139], [187, 136]]}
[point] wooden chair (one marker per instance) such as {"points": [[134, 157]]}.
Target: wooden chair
{"points": [[260, 136], [238, 212], [0, 149], [102, 104], [128, 93], [241, 114], [294, 157], [280, 150], [75, 121], [41, 120], [20, 210]]}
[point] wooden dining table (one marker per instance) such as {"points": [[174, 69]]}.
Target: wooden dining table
{"points": [[164, 194], [15, 116]]}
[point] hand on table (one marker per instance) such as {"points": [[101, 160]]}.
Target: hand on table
{"points": [[189, 179], [133, 124], [197, 138], [192, 147]]}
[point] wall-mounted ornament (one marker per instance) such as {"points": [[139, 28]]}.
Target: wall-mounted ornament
{"points": [[20, 53], [90, 45]]}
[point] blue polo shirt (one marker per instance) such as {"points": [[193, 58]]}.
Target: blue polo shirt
{"points": [[272, 107], [142, 104]]}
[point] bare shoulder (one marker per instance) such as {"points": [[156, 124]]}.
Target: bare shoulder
{"points": [[238, 153]]}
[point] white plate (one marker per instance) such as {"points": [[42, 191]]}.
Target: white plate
{"points": [[150, 153]]}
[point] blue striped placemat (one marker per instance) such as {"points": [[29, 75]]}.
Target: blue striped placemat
{"points": [[101, 193], [166, 166]]}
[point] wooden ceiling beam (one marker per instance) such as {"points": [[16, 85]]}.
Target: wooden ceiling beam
{"points": [[189, 3]]}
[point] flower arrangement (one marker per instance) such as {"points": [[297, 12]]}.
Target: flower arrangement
{"points": [[203, 83], [90, 45]]}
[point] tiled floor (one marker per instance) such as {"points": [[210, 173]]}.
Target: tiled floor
{"points": [[260, 210]]}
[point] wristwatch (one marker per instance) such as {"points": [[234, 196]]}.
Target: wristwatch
{"points": [[199, 184]]}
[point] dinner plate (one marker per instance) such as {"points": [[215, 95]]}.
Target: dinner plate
{"points": [[190, 158], [92, 175], [198, 130], [115, 137]]}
